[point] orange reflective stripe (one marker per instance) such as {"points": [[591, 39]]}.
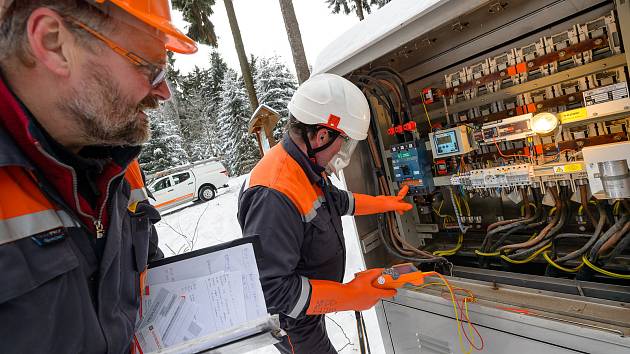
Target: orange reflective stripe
{"points": [[277, 170], [134, 176], [24, 210], [174, 200], [20, 194]]}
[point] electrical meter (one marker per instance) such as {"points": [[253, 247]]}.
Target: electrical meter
{"points": [[450, 142], [412, 167]]}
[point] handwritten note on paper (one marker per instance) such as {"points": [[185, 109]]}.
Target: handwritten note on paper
{"points": [[223, 287], [240, 258]]}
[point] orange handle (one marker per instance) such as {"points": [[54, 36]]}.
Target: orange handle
{"points": [[386, 281]]}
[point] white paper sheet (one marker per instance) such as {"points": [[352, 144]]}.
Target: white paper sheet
{"points": [[200, 296]]}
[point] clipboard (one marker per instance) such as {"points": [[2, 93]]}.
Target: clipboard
{"points": [[206, 301]]}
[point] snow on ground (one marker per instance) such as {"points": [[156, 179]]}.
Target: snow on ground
{"points": [[198, 225]]}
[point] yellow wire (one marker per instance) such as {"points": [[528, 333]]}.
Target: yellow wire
{"points": [[459, 207], [523, 208], [581, 208], [616, 207], [451, 251], [457, 320], [603, 271], [427, 115], [498, 253], [483, 254], [528, 259], [466, 300], [467, 206], [568, 270]]}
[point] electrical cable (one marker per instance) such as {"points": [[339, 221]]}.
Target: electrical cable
{"points": [[458, 216], [554, 264], [456, 312], [614, 239], [592, 255], [452, 251], [544, 232], [533, 222], [397, 246], [563, 211], [584, 203], [600, 226], [603, 271], [529, 258], [513, 155]]}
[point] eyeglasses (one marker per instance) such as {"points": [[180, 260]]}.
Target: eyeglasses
{"points": [[156, 73], [344, 137]]}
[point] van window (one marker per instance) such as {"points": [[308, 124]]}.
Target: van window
{"points": [[179, 178], [165, 183]]}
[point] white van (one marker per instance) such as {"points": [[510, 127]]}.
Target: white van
{"points": [[197, 181]]}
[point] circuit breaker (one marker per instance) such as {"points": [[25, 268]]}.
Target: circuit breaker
{"points": [[412, 167]]}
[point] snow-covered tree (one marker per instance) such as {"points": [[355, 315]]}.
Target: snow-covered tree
{"points": [[239, 149], [275, 86], [356, 6], [164, 149]]}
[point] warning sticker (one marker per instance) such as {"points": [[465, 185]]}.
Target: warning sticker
{"points": [[572, 115], [569, 168], [605, 94]]}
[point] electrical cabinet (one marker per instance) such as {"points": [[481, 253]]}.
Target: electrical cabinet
{"points": [[515, 209]]}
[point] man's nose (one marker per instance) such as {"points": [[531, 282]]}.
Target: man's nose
{"points": [[162, 91]]}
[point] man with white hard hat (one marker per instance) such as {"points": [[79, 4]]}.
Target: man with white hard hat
{"points": [[290, 204]]}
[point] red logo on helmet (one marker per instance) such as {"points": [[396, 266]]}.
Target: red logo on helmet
{"points": [[333, 121]]}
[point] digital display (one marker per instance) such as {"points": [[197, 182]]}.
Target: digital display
{"points": [[446, 139], [404, 154], [445, 143]]}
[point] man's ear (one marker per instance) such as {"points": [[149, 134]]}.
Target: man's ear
{"points": [[321, 138], [49, 40]]}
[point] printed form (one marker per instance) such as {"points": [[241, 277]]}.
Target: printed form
{"points": [[199, 296]]}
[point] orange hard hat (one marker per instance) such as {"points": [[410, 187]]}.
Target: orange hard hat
{"points": [[157, 14]]}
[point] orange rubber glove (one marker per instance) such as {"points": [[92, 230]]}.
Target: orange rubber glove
{"points": [[367, 204], [357, 295]]}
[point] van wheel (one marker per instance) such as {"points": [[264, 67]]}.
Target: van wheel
{"points": [[207, 193]]}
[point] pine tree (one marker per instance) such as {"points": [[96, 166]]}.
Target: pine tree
{"points": [[164, 149], [239, 149], [275, 85], [356, 6]]}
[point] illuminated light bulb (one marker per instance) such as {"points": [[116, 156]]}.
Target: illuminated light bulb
{"points": [[544, 123]]}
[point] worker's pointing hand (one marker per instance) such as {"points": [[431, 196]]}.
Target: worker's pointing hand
{"points": [[397, 203]]}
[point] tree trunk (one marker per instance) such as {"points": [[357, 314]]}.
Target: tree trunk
{"points": [[242, 58], [295, 40], [359, 5]]}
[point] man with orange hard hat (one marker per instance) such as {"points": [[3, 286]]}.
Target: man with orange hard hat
{"points": [[76, 230]]}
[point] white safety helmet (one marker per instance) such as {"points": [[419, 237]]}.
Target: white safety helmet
{"points": [[333, 102]]}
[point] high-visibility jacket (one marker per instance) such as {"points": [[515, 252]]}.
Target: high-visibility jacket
{"points": [[296, 213], [58, 293]]}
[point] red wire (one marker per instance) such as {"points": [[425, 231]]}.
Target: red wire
{"points": [[501, 152], [290, 344]]}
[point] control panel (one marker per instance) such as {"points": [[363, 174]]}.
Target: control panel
{"points": [[450, 142], [412, 166]]}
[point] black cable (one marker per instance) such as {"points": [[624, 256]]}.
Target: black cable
{"points": [[600, 226], [619, 247], [415, 260], [524, 224], [564, 211], [592, 256], [401, 83], [377, 87]]}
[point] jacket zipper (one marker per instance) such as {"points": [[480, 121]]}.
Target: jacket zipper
{"points": [[97, 222]]}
